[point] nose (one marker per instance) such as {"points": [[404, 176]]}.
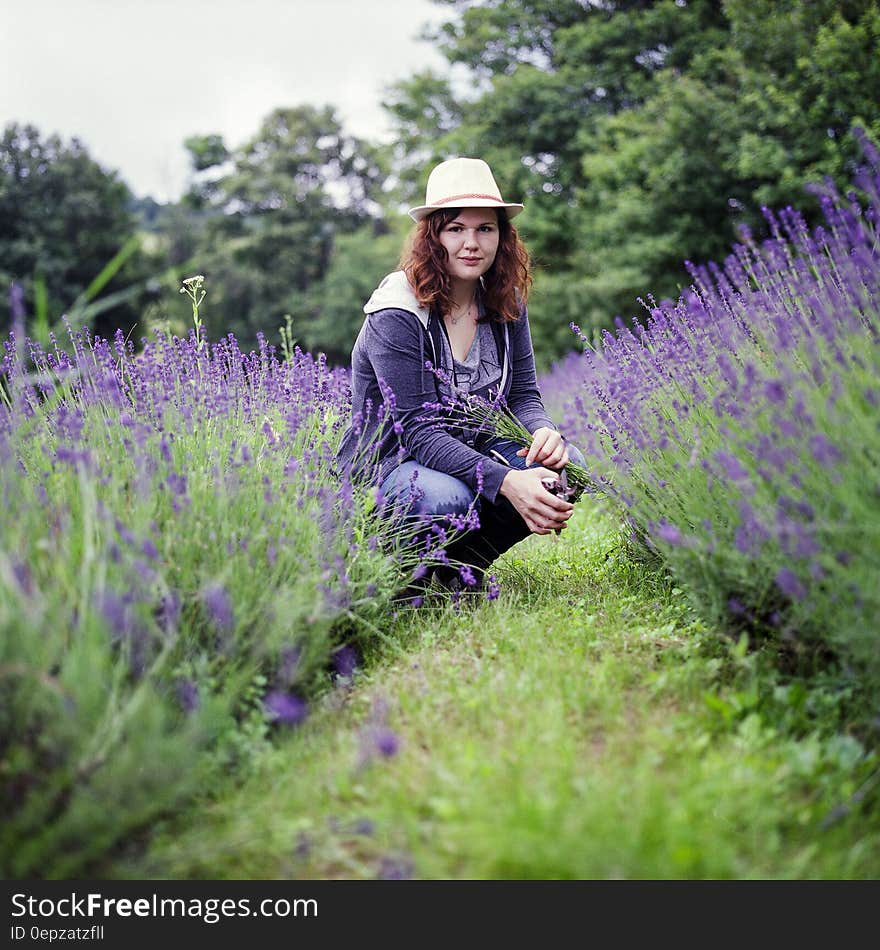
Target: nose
{"points": [[470, 238]]}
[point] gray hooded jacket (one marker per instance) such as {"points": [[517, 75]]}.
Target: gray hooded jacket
{"points": [[397, 339]]}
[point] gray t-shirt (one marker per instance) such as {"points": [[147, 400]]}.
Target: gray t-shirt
{"points": [[480, 368]]}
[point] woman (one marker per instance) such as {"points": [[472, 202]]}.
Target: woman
{"points": [[458, 303]]}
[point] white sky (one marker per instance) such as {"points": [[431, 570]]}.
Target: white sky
{"points": [[133, 78]]}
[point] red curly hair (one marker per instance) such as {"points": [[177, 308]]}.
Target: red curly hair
{"points": [[506, 283]]}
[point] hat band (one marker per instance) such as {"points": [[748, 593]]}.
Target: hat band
{"points": [[446, 201]]}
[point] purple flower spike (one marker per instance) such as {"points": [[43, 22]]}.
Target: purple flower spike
{"points": [[169, 611], [187, 695], [219, 607], [467, 575], [345, 661], [493, 588], [285, 708], [420, 571], [23, 576], [395, 869], [16, 303], [787, 581], [669, 533], [824, 452], [733, 468], [177, 483], [774, 391], [387, 742], [115, 613]]}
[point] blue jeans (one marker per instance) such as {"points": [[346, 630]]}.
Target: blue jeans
{"points": [[439, 494]]}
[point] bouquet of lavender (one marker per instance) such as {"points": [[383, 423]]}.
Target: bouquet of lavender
{"points": [[466, 412]]}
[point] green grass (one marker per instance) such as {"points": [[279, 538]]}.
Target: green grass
{"points": [[582, 726]]}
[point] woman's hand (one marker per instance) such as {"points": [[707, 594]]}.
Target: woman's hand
{"points": [[541, 510], [547, 448]]}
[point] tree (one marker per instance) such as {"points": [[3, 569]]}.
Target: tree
{"points": [[329, 316], [271, 219], [810, 73], [63, 218], [749, 125]]}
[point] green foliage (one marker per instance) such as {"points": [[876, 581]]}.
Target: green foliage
{"points": [[658, 162], [737, 433], [583, 726], [66, 233], [424, 109], [206, 151], [92, 752], [329, 315], [268, 222]]}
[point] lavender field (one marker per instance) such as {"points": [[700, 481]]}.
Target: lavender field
{"points": [[183, 572], [737, 431], [180, 570]]}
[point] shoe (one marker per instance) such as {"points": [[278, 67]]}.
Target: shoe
{"points": [[413, 595], [449, 579]]}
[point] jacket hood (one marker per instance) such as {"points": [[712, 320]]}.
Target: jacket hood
{"points": [[395, 293]]}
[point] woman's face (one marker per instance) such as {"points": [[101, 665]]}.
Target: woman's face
{"points": [[471, 242]]}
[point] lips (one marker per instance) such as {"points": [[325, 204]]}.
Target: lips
{"points": [[470, 260]]}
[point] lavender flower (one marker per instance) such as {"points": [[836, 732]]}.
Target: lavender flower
{"points": [[395, 868], [115, 612], [23, 576], [669, 533], [824, 452], [16, 305], [219, 607], [286, 708], [467, 575], [787, 581], [729, 408], [386, 742], [169, 611], [774, 391], [187, 693], [493, 588], [345, 661]]}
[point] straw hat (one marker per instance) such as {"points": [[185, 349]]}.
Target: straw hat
{"points": [[462, 183]]}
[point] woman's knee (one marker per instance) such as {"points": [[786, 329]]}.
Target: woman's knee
{"points": [[425, 491]]}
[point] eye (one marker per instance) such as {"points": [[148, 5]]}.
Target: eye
{"points": [[454, 227], [488, 228]]}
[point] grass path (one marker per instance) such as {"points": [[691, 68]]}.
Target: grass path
{"points": [[584, 725]]}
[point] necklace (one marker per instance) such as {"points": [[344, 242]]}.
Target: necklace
{"points": [[466, 313]]}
